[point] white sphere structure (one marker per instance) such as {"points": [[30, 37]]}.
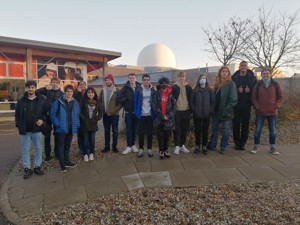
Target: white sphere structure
{"points": [[156, 55]]}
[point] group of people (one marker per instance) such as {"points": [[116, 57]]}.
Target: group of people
{"points": [[166, 108]]}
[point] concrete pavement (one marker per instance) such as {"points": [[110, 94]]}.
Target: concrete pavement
{"points": [[118, 173]]}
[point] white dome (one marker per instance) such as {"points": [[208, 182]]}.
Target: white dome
{"points": [[156, 55]]}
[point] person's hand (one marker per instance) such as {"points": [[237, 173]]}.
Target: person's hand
{"points": [[165, 117], [241, 89], [247, 89]]}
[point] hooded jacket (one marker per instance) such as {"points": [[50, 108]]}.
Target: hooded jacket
{"points": [[125, 96], [138, 101]]}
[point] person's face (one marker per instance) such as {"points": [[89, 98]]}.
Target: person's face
{"points": [[54, 84], [82, 86], [90, 94], [108, 82], [265, 75], [181, 78], [31, 90], [224, 73], [67, 70], [243, 68], [51, 73], [132, 79], [146, 82], [69, 93]]}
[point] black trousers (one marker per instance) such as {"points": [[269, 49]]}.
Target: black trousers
{"points": [[145, 126], [201, 131], [163, 137], [240, 124], [182, 125]]}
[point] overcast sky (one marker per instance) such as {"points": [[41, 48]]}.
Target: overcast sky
{"points": [[127, 26]]}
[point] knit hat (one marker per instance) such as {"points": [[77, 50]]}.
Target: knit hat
{"points": [[109, 76]]}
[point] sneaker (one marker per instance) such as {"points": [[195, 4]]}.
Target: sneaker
{"points": [[254, 150], [48, 158], [167, 154], [27, 173], [115, 150], [126, 151], [184, 149], [204, 150], [91, 157], [85, 158], [176, 150], [222, 151], [134, 149], [140, 153], [273, 151], [196, 151], [150, 152], [38, 171], [63, 170], [71, 165], [161, 154], [106, 149]]}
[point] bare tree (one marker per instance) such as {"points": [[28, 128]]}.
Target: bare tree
{"points": [[271, 41], [226, 42]]}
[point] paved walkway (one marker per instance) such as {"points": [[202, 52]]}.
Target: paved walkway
{"points": [[118, 173]]}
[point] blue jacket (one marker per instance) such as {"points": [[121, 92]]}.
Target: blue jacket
{"points": [[59, 116], [138, 101]]}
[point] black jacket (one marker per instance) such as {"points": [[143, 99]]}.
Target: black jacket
{"points": [[202, 103], [24, 113], [87, 124], [51, 96], [176, 91], [125, 97]]}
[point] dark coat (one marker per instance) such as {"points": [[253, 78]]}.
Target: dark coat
{"points": [[170, 110], [23, 108], [176, 91], [87, 124], [51, 96], [125, 97], [202, 103]]}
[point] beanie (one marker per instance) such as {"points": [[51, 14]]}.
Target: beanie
{"points": [[109, 76]]}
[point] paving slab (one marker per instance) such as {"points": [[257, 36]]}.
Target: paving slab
{"points": [[28, 206], [118, 171], [133, 181], [197, 164], [64, 197], [188, 178], [260, 173], [16, 192], [80, 178], [95, 165], [42, 187], [166, 165], [143, 167], [288, 159], [261, 160], [288, 171], [156, 179], [224, 175], [229, 162], [121, 160]]}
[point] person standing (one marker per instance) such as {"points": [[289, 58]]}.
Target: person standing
{"points": [[64, 115], [126, 99], [202, 106], [52, 93], [143, 111], [29, 118], [90, 114], [226, 99], [110, 109], [164, 106], [182, 92], [244, 80], [267, 97]]}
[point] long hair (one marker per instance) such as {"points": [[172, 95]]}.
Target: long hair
{"points": [[198, 86], [219, 82], [85, 97]]}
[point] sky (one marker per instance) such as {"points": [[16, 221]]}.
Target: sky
{"points": [[127, 26]]}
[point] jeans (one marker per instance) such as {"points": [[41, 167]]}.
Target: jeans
{"points": [[36, 139], [163, 137], [111, 122], [131, 122], [240, 125], [64, 144], [182, 125], [145, 126], [89, 142], [201, 131], [212, 144], [259, 122]]}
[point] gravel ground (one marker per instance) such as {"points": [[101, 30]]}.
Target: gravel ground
{"points": [[276, 202]]}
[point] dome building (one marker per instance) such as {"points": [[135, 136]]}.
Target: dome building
{"points": [[156, 58]]}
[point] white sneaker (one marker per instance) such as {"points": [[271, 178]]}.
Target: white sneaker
{"points": [[85, 158], [140, 153], [274, 151], [126, 151], [184, 149], [134, 149], [254, 150], [91, 157], [176, 150]]}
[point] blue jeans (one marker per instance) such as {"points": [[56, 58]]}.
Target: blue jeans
{"points": [[214, 135], [111, 122], [131, 122], [36, 139], [259, 122], [63, 148], [89, 142]]}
